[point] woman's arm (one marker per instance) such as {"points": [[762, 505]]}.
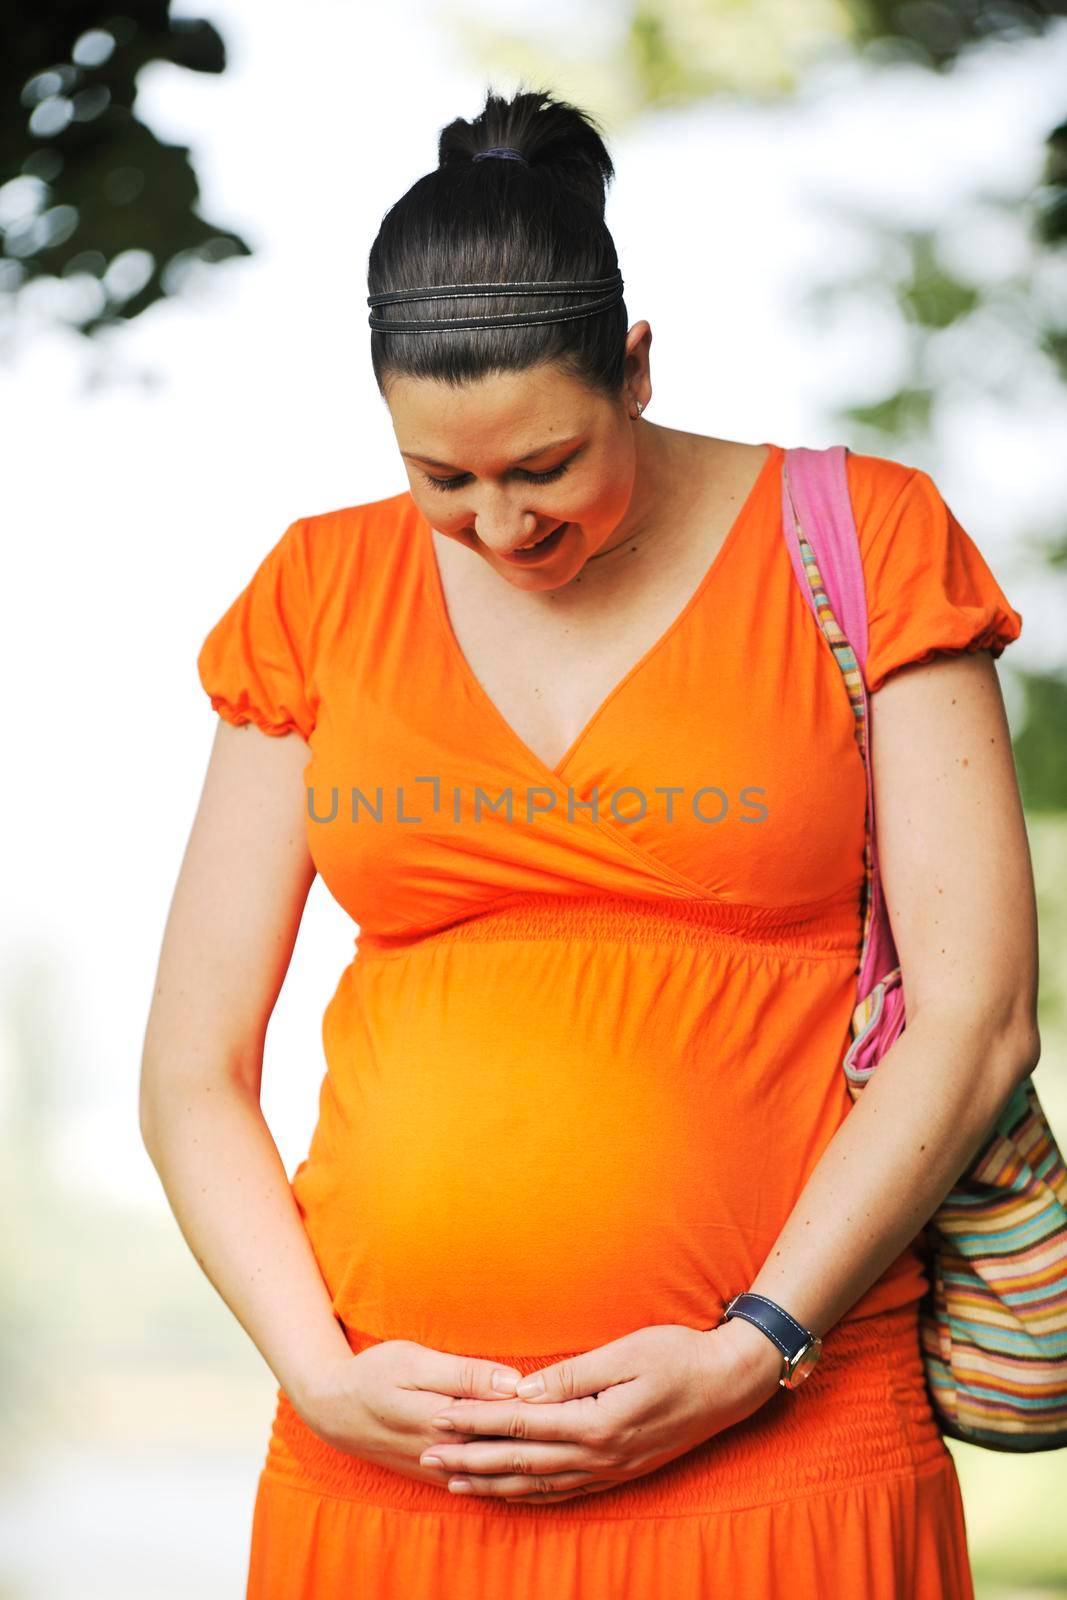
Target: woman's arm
{"points": [[958, 882], [226, 948]]}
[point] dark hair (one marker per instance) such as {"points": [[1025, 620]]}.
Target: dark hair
{"points": [[501, 221]]}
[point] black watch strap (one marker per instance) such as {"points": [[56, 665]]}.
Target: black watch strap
{"points": [[788, 1334]]}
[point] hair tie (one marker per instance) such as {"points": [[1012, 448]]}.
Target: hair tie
{"points": [[504, 150]]}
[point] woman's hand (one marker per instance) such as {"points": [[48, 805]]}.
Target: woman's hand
{"points": [[610, 1414], [377, 1403]]}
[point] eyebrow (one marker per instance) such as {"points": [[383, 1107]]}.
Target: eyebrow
{"points": [[446, 466]]}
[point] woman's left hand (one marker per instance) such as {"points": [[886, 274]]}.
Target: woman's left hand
{"points": [[610, 1414]]}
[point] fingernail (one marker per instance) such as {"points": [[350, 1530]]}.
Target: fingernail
{"points": [[459, 1485], [444, 1423], [431, 1461], [530, 1386], [503, 1382]]}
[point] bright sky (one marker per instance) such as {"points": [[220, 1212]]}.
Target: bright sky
{"points": [[135, 512]]}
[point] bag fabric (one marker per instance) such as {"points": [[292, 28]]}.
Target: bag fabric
{"points": [[993, 1324]]}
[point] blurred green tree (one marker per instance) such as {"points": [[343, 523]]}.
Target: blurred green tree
{"points": [[87, 191]]}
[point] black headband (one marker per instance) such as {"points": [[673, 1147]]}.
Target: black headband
{"points": [[608, 291]]}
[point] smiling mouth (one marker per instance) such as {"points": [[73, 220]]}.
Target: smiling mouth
{"points": [[546, 539]]}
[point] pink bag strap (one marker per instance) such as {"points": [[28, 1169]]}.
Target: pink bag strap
{"points": [[823, 544]]}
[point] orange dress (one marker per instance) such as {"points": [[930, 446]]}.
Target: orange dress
{"points": [[587, 1052]]}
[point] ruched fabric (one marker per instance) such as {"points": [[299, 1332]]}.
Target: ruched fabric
{"points": [[845, 1484], [588, 1050]]}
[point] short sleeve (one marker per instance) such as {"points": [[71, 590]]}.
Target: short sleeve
{"points": [[929, 589], [253, 663]]}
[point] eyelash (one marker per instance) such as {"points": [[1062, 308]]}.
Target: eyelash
{"points": [[531, 477]]}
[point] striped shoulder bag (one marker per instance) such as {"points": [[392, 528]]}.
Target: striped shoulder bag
{"points": [[993, 1322]]}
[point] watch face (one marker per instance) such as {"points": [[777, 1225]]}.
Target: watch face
{"points": [[805, 1364]]}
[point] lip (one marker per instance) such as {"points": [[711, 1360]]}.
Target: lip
{"points": [[540, 551]]}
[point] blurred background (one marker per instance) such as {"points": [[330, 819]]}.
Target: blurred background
{"points": [[865, 206]]}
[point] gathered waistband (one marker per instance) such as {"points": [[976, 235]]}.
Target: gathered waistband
{"points": [[822, 930], [863, 1415]]}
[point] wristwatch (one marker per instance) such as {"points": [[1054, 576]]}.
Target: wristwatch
{"points": [[799, 1346]]}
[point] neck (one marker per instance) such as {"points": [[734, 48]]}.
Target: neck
{"points": [[660, 480]]}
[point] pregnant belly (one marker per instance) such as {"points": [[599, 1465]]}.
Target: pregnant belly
{"points": [[534, 1147]]}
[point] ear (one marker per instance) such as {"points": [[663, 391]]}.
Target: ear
{"points": [[637, 378]]}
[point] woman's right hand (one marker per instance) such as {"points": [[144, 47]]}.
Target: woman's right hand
{"points": [[379, 1403]]}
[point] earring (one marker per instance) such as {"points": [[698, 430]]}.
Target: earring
{"points": [[640, 408]]}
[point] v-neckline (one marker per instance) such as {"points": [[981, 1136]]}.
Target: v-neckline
{"points": [[452, 644]]}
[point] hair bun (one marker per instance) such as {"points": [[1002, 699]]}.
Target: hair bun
{"points": [[544, 131]]}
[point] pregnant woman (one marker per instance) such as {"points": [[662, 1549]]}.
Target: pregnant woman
{"points": [[557, 727]]}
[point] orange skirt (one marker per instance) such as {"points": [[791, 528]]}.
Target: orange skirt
{"points": [[844, 1487]]}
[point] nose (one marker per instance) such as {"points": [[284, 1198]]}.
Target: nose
{"points": [[506, 540], [503, 532]]}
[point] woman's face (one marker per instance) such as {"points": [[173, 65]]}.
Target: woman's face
{"points": [[512, 456]]}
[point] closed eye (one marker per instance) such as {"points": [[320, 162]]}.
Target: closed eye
{"points": [[530, 477]]}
